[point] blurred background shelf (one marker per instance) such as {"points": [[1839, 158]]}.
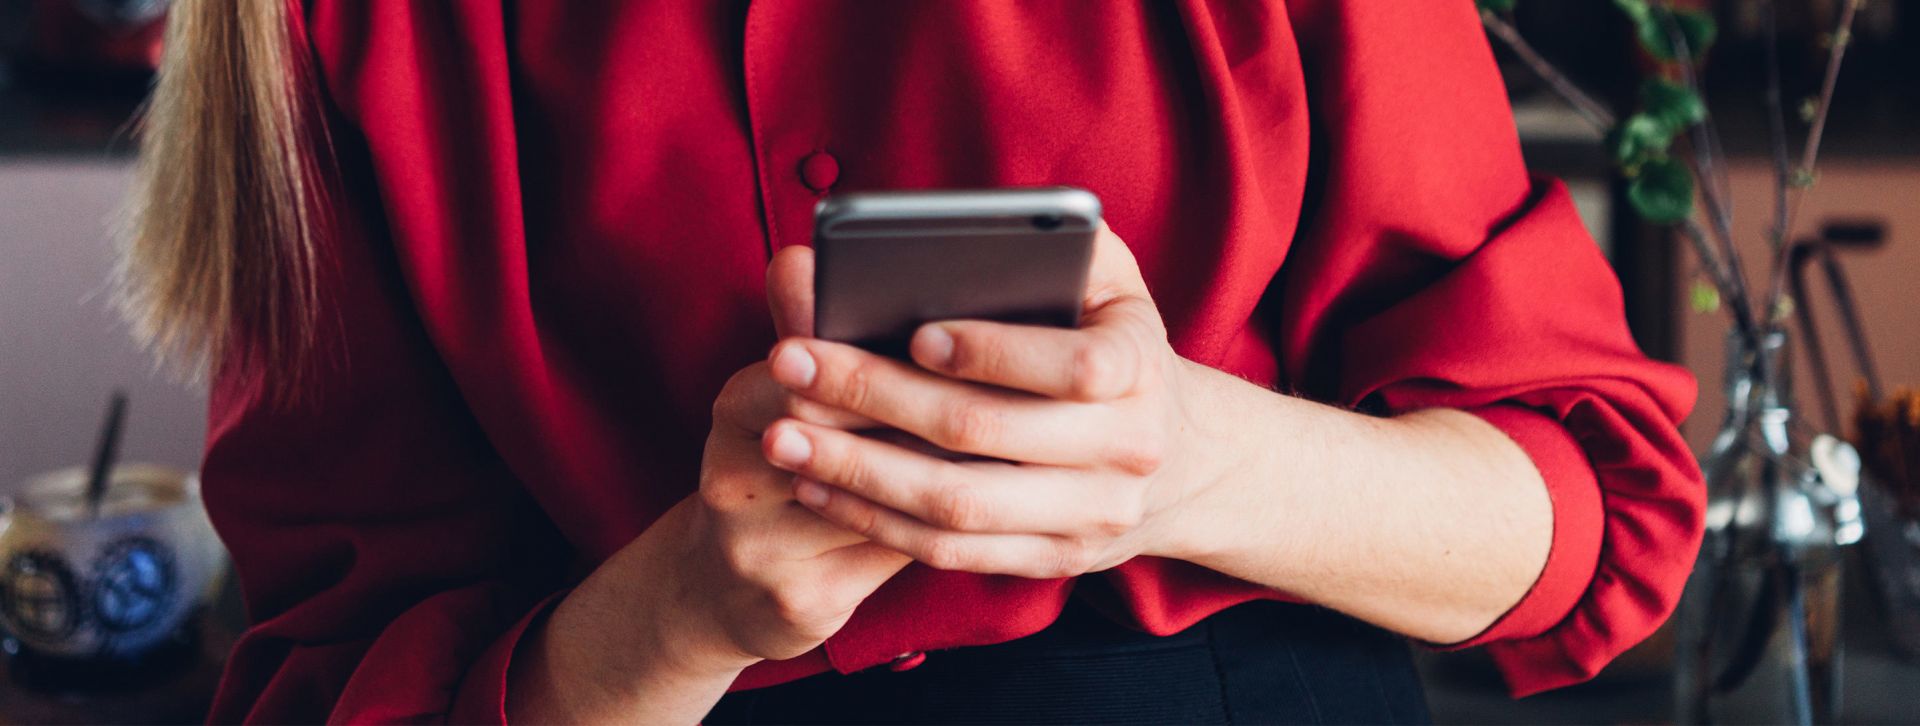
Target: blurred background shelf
{"points": [[48, 116], [183, 696]]}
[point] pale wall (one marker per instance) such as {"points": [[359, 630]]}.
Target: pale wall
{"points": [[61, 347], [1887, 282]]}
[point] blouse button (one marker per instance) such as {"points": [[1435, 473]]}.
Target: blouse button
{"points": [[907, 661], [819, 171]]}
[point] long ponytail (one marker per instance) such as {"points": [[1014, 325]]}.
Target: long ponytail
{"points": [[218, 265]]}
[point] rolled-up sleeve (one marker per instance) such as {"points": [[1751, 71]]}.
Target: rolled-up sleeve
{"points": [[1431, 271]]}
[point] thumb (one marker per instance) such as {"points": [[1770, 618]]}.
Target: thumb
{"points": [[790, 291], [1114, 273], [861, 568]]}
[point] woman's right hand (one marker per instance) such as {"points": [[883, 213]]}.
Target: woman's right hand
{"points": [[763, 577], [735, 574]]}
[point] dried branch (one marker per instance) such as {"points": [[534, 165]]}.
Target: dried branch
{"points": [[1776, 129], [1593, 111], [1709, 260], [1836, 51], [1708, 169]]}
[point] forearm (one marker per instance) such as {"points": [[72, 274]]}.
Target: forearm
{"points": [[565, 676], [607, 653], [1431, 524]]}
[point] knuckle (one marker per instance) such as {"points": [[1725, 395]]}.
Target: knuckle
{"points": [[796, 604], [970, 425], [1098, 371], [973, 355], [733, 397], [840, 463], [863, 521], [946, 553], [1143, 456], [856, 390], [720, 493], [1123, 516], [961, 507], [1071, 557], [741, 559]]}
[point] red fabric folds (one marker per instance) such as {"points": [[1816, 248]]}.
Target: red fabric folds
{"points": [[549, 256]]}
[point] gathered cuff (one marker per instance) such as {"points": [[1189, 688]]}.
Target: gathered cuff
{"points": [[1579, 517], [482, 697]]}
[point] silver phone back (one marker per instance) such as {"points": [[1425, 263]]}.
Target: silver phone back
{"points": [[887, 262]]}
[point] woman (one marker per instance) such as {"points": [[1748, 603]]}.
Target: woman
{"points": [[476, 280]]}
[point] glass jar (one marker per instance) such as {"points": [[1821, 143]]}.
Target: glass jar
{"points": [[1758, 626]]}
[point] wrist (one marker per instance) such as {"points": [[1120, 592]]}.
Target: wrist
{"points": [[1227, 443], [639, 591], [617, 648], [578, 672]]}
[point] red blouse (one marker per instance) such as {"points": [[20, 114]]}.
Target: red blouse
{"points": [[548, 250]]}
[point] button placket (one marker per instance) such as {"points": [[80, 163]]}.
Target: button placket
{"points": [[789, 134]]}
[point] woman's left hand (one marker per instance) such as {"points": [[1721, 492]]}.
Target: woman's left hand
{"points": [[1091, 438]]}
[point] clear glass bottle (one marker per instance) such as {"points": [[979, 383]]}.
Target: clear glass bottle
{"points": [[1758, 627]]}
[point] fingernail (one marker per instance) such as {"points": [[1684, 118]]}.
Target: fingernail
{"points": [[936, 346], [810, 492], [793, 367], [790, 447]]}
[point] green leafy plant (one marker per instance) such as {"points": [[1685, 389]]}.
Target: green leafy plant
{"points": [[1667, 149], [1651, 23], [1662, 191]]}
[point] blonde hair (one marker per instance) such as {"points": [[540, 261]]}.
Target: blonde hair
{"points": [[218, 266]]}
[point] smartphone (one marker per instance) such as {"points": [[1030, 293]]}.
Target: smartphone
{"points": [[887, 262]]}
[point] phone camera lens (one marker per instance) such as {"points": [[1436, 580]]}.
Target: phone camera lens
{"points": [[1047, 221]]}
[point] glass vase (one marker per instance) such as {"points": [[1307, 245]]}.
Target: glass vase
{"points": [[1758, 626]]}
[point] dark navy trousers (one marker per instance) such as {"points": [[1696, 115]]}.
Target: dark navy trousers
{"points": [[1255, 663]]}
